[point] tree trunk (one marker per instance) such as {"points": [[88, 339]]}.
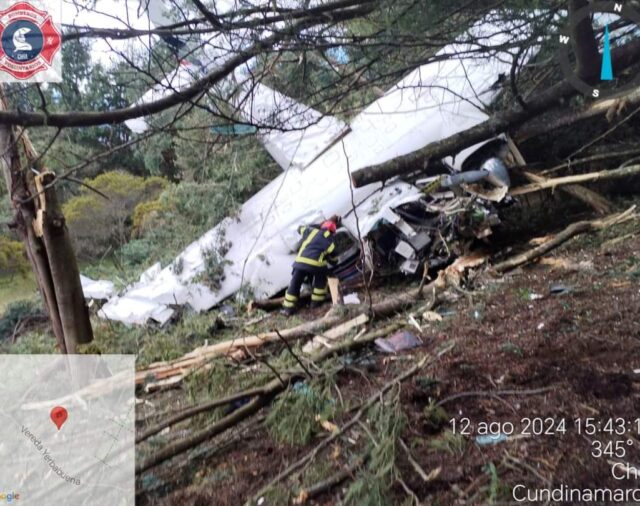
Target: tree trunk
{"points": [[23, 218], [72, 308], [46, 241], [622, 57], [546, 123], [584, 42]]}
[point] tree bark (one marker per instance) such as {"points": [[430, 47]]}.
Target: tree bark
{"points": [[24, 214], [562, 118], [40, 225], [584, 42], [631, 170], [622, 57], [600, 204], [572, 230], [72, 308]]}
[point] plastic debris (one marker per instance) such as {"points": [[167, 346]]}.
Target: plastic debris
{"points": [[351, 298], [559, 289], [491, 439], [399, 341]]}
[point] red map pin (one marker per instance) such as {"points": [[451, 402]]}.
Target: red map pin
{"points": [[59, 416]]}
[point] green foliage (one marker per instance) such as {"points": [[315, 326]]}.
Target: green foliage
{"points": [[36, 342], [15, 313], [373, 485], [292, 419], [13, 259], [149, 343], [449, 442], [136, 252], [435, 417], [167, 224], [214, 263], [498, 491], [97, 224]]}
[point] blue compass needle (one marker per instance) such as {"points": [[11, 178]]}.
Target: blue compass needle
{"points": [[606, 71]]}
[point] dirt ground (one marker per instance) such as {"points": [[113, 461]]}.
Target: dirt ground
{"points": [[523, 355]]}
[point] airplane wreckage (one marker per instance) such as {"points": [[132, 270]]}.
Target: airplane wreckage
{"points": [[398, 226]]}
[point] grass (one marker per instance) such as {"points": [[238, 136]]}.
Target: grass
{"points": [[448, 442], [15, 287]]}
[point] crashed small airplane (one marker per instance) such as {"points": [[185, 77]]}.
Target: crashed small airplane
{"points": [[396, 226]]}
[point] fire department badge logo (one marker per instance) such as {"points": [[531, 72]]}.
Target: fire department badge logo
{"points": [[28, 40]]}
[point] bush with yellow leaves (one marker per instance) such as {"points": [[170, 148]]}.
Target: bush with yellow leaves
{"points": [[13, 258], [98, 224]]}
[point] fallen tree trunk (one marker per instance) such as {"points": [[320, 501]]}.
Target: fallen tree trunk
{"points": [[267, 393], [500, 122], [557, 119], [338, 349], [631, 170], [198, 357], [572, 230]]}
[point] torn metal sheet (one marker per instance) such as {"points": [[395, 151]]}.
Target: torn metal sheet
{"points": [[99, 290], [432, 102]]}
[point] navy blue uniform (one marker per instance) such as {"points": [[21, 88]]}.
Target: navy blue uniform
{"points": [[311, 262]]}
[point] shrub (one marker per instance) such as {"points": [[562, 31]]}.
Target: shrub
{"points": [[179, 215], [15, 313], [135, 252], [13, 258], [97, 224]]}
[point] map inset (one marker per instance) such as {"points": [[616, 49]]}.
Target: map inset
{"points": [[67, 430]]}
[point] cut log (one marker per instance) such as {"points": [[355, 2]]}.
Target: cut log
{"points": [[328, 338], [500, 122], [334, 289], [198, 357]]}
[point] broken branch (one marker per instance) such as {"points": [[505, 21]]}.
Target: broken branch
{"points": [[572, 230], [631, 170]]}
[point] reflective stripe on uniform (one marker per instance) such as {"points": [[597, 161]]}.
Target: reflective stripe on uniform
{"points": [[304, 245], [288, 304], [290, 298], [320, 291], [328, 252], [309, 261], [317, 298]]}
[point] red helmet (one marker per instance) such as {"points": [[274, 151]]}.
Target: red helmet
{"points": [[329, 225]]}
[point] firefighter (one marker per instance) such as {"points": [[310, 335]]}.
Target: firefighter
{"points": [[311, 262]]}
